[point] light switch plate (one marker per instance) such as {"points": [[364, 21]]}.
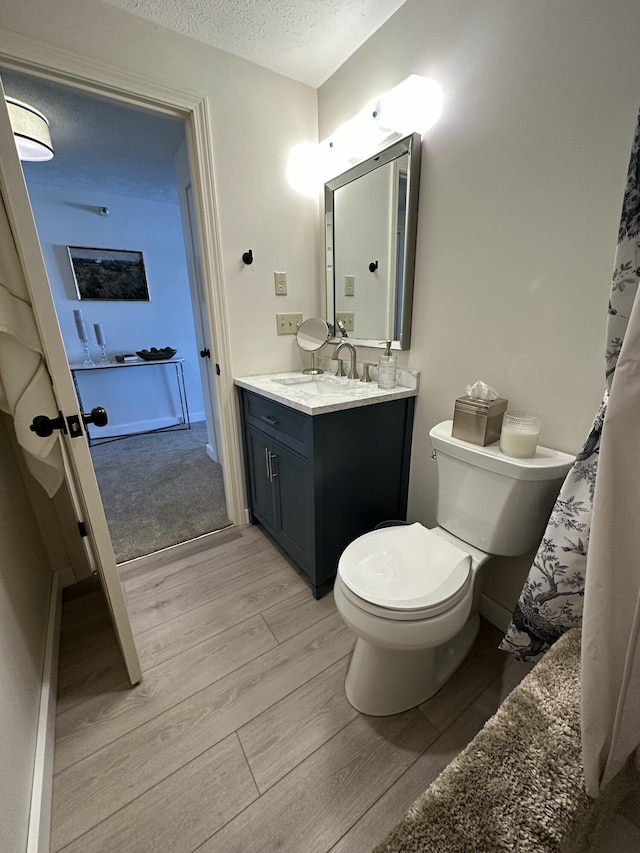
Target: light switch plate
{"points": [[349, 285], [280, 280], [347, 319], [287, 324]]}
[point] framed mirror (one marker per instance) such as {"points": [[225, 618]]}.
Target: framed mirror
{"points": [[371, 214]]}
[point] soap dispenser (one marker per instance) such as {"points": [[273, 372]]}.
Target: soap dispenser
{"points": [[387, 368]]}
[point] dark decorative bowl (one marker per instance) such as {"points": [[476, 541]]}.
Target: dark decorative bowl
{"points": [[155, 354]]}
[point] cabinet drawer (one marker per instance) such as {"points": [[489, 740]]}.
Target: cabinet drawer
{"points": [[288, 426]]}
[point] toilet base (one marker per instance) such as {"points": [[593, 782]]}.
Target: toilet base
{"points": [[383, 681]]}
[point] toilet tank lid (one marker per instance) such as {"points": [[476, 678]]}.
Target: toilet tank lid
{"points": [[547, 464]]}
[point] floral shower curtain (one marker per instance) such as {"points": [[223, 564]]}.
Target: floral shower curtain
{"points": [[552, 598]]}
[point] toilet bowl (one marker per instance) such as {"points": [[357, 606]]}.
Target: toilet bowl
{"points": [[409, 622], [407, 592]]}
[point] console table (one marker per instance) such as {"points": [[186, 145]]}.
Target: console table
{"points": [[177, 363]]}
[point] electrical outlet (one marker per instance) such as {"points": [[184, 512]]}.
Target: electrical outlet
{"points": [[280, 279], [349, 285], [347, 318], [287, 324]]}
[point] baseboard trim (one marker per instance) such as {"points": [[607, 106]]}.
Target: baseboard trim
{"points": [[494, 612], [42, 788], [141, 427], [134, 428]]}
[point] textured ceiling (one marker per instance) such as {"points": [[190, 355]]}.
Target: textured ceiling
{"points": [[100, 143], [304, 39]]}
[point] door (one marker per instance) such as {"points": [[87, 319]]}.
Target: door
{"points": [[261, 476], [82, 481], [293, 480], [281, 490]]}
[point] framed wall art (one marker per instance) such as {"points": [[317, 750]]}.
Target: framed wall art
{"points": [[116, 274]]}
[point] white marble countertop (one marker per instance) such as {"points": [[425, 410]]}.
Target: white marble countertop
{"points": [[316, 395]]}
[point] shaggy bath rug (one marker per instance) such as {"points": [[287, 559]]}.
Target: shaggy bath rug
{"points": [[519, 785]]}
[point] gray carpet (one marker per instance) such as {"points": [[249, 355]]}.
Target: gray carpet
{"points": [[519, 785], [159, 489]]}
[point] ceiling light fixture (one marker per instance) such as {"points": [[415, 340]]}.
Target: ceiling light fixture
{"points": [[30, 131]]}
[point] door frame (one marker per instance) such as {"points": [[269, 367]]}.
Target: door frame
{"points": [[63, 67], [198, 303]]}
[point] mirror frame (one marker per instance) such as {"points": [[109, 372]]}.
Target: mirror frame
{"points": [[412, 145]]}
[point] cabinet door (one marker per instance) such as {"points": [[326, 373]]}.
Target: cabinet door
{"points": [[292, 479], [262, 497]]}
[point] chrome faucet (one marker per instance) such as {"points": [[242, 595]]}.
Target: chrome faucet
{"points": [[353, 373]]}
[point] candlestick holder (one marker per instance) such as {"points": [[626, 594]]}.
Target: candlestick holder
{"points": [[102, 343], [87, 361]]}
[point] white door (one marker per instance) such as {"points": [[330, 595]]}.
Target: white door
{"points": [[83, 484]]}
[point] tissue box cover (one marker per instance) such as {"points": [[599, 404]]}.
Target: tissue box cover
{"points": [[478, 421]]}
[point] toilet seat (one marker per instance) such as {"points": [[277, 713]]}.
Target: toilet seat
{"points": [[409, 571]]}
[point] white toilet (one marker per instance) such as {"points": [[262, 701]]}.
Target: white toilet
{"points": [[407, 592]]}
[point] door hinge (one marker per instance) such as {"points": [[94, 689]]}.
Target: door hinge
{"points": [[217, 369], [82, 527]]}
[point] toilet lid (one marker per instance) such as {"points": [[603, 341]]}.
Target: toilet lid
{"points": [[404, 568]]}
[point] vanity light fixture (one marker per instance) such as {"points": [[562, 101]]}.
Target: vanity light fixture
{"points": [[30, 131], [412, 106]]}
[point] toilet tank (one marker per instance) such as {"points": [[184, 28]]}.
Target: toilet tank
{"points": [[492, 501]]}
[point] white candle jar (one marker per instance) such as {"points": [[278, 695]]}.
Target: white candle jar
{"points": [[519, 435]]}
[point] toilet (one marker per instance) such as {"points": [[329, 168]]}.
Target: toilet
{"points": [[408, 593]]}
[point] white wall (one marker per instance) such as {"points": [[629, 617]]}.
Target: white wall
{"points": [[256, 117], [521, 191], [25, 581], [134, 398]]}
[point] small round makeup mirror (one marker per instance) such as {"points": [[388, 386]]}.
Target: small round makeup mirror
{"points": [[311, 336]]}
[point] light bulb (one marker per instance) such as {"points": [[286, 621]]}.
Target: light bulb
{"points": [[412, 106]]}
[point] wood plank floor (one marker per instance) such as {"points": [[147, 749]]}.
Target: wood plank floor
{"points": [[240, 737]]}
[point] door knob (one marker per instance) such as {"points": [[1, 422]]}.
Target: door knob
{"points": [[205, 353], [44, 426], [97, 416]]}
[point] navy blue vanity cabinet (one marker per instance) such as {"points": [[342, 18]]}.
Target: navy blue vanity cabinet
{"points": [[316, 482]]}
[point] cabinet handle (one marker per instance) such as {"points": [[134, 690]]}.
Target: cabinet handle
{"points": [[267, 459], [272, 456], [271, 421]]}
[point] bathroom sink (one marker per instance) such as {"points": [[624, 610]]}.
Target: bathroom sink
{"points": [[316, 385]]}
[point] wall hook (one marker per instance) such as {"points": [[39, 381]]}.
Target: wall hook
{"points": [[247, 257], [373, 266]]}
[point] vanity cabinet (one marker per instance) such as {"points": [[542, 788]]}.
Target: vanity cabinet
{"points": [[316, 482]]}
